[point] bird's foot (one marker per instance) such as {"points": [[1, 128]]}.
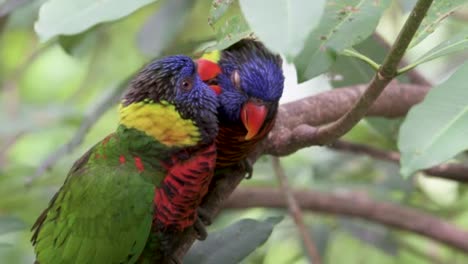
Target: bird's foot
{"points": [[200, 229], [204, 216], [203, 220], [247, 167]]}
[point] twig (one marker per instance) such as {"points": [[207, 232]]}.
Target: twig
{"points": [[11, 100], [296, 212], [355, 54], [357, 205], [10, 6], [3, 22], [457, 172], [329, 133], [76, 140], [19, 71], [9, 142], [414, 75], [10, 85]]}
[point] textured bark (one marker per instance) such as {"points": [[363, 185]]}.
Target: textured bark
{"points": [[356, 205]]}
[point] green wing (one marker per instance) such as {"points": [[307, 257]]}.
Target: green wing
{"points": [[102, 214]]}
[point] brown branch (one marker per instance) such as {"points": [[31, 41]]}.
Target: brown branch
{"points": [[10, 6], [357, 205], [457, 172], [9, 87], [295, 212], [7, 144], [319, 109], [329, 133], [3, 22], [394, 102], [294, 124]]}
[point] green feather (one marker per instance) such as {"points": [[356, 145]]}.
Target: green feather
{"points": [[102, 213]]}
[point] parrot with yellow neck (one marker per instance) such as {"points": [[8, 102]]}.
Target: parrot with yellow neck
{"points": [[124, 199]]}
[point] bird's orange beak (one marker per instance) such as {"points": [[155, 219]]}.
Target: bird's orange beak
{"points": [[253, 116], [208, 70]]}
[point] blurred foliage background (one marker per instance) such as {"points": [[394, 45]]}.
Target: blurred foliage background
{"points": [[48, 88]]}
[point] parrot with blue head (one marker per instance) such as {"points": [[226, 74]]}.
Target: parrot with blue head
{"points": [[249, 81], [125, 198]]}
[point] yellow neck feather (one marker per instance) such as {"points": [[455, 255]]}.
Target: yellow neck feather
{"points": [[213, 56], [160, 121]]}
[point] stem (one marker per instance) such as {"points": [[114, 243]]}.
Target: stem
{"points": [[296, 212], [329, 133], [408, 68], [355, 54]]}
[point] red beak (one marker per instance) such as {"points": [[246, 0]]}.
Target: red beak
{"points": [[208, 70], [215, 88], [253, 116]]}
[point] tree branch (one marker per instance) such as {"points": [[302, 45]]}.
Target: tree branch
{"points": [[319, 109], [357, 205], [394, 102], [294, 125], [329, 133], [295, 212], [457, 172]]}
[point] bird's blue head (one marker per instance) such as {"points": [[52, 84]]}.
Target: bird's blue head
{"points": [[174, 80], [251, 83]]}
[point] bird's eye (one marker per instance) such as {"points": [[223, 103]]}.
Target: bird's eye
{"points": [[187, 85], [235, 78]]}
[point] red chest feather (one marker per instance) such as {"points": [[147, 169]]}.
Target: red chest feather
{"points": [[183, 189]]}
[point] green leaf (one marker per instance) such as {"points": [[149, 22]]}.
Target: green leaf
{"points": [[218, 9], [10, 224], [231, 32], [283, 25], [162, 27], [233, 243], [439, 11], [351, 71], [79, 45], [388, 128], [322, 235], [372, 234], [459, 42], [68, 17], [345, 23], [437, 129]]}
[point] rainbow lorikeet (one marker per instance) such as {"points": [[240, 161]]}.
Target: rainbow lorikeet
{"points": [[128, 194], [249, 81]]}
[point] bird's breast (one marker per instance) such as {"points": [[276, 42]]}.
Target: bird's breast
{"points": [[232, 146]]}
